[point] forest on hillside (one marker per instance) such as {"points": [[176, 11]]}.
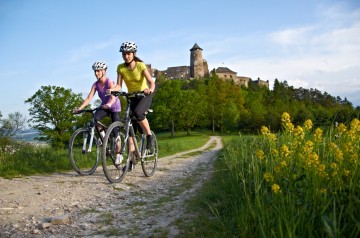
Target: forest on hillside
{"points": [[224, 107]]}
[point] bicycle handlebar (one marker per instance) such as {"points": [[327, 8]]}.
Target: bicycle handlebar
{"points": [[92, 110], [128, 95]]}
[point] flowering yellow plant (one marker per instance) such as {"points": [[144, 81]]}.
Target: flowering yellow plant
{"points": [[310, 155]]}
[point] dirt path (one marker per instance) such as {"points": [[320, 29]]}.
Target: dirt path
{"points": [[68, 205]]}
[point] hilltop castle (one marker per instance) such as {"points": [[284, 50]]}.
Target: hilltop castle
{"points": [[199, 68]]}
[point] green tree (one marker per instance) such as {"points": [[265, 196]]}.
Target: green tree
{"points": [[9, 127], [12, 125], [167, 105], [51, 110], [192, 109], [213, 99]]}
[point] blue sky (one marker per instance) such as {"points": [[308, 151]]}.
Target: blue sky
{"points": [[309, 43]]}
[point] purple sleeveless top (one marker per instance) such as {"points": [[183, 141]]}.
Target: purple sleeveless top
{"points": [[105, 99]]}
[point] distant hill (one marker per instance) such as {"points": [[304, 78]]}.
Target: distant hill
{"points": [[27, 135]]}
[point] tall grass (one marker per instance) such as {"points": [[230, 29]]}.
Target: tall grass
{"points": [[299, 183], [29, 159]]}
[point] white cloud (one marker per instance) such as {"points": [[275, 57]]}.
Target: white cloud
{"points": [[88, 50], [291, 37]]}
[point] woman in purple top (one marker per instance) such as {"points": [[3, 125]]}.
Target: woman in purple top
{"points": [[110, 105]]}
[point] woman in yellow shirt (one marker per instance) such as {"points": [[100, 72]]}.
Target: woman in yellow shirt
{"points": [[137, 78]]}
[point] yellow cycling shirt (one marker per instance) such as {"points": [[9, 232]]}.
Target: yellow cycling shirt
{"points": [[134, 79]]}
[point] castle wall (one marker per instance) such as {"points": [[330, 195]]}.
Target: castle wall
{"points": [[177, 72]]}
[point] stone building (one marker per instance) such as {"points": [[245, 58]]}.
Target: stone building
{"points": [[227, 74], [199, 69]]}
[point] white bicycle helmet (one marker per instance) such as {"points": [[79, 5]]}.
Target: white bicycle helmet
{"points": [[99, 65], [128, 46]]}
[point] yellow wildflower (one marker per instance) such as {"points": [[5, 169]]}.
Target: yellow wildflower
{"points": [[275, 188], [286, 122], [346, 172], [312, 159], [334, 166], [284, 151], [285, 117], [340, 128], [268, 177], [271, 137], [299, 132], [264, 130], [260, 154], [318, 136], [308, 147], [353, 158], [321, 170], [274, 152], [277, 169], [289, 126], [332, 146], [348, 148], [308, 124], [355, 124], [339, 155]]}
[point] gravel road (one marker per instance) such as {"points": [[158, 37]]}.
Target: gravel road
{"points": [[69, 205]]}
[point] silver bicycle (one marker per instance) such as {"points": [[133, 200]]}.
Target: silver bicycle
{"points": [[85, 145]]}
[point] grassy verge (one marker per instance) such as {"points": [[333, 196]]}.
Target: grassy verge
{"points": [[171, 145], [300, 183], [29, 159]]}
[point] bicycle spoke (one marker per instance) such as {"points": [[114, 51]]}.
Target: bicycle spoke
{"points": [[113, 148], [149, 162]]}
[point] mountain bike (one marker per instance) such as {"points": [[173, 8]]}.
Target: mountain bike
{"points": [[85, 145], [115, 172]]}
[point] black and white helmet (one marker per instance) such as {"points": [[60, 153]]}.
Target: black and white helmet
{"points": [[99, 65], [128, 46]]}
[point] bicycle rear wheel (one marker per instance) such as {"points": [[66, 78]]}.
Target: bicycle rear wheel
{"points": [[150, 157], [112, 145], [84, 155]]}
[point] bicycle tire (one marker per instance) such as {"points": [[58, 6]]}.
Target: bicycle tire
{"points": [[115, 173], [84, 162], [150, 160]]}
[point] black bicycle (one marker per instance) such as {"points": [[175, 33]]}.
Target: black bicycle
{"points": [[85, 145], [115, 167]]}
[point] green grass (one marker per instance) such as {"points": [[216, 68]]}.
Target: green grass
{"points": [[171, 145], [30, 160]]}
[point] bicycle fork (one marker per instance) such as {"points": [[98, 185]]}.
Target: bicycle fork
{"points": [[84, 150]]}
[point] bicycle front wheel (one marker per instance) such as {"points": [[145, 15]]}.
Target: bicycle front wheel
{"points": [[83, 153], [115, 153], [150, 157]]}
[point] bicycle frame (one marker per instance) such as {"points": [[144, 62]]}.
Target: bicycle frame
{"points": [[92, 125], [129, 129]]}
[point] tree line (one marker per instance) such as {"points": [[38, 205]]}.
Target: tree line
{"points": [[184, 105]]}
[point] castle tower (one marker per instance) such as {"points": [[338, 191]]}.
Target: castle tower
{"points": [[196, 62]]}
